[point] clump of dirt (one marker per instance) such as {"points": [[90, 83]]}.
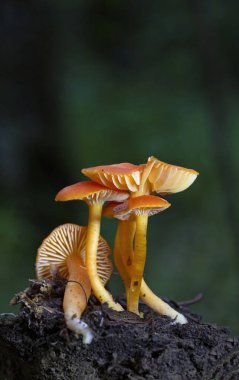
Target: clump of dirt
{"points": [[35, 344]]}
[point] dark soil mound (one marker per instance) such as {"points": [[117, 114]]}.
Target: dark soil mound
{"points": [[36, 345]]}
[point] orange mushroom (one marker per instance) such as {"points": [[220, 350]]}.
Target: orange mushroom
{"points": [[94, 195], [64, 250], [123, 255], [142, 207], [164, 178]]}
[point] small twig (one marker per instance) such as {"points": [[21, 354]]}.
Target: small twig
{"points": [[194, 300]]}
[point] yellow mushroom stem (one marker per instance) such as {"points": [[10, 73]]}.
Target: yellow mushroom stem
{"points": [[124, 242], [93, 234], [159, 305], [124, 246], [128, 228], [118, 259], [77, 293], [138, 264]]}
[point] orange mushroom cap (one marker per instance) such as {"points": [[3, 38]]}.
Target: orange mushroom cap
{"points": [[166, 178], [124, 176], [144, 204], [65, 240], [90, 192]]}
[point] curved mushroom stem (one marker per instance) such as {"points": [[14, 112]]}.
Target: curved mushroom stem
{"points": [[93, 233], [138, 262], [76, 296], [124, 252], [126, 231], [159, 305]]}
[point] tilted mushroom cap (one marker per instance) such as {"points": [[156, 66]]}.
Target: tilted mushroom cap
{"points": [[124, 176], [144, 204], [66, 240], [165, 178], [90, 192]]}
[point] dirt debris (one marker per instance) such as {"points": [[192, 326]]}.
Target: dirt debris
{"points": [[35, 344]]}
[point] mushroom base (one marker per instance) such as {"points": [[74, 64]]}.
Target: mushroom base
{"points": [[35, 344]]}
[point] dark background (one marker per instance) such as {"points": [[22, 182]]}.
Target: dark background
{"points": [[86, 83]]}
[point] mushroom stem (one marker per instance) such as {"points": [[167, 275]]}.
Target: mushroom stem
{"points": [[124, 252], [93, 234], [138, 262], [159, 305], [118, 250], [126, 231], [76, 296], [127, 235]]}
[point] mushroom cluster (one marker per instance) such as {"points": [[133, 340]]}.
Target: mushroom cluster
{"points": [[80, 254]]}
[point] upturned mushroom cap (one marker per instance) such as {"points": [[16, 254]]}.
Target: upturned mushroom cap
{"points": [[90, 192], [124, 176], [66, 240], [166, 178], [144, 204]]}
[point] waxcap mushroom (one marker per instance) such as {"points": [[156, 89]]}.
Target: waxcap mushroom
{"points": [[123, 176], [123, 255], [144, 204], [166, 178], [94, 195], [64, 250], [64, 241], [139, 208], [90, 192]]}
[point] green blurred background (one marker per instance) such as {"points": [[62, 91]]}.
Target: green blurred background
{"points": [[94, 82]]}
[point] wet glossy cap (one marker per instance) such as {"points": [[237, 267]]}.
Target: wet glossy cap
{"points": [[124, 176], [66, 240], [90, 192]]}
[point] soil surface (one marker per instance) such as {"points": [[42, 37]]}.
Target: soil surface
{"points": [[35, 344]]}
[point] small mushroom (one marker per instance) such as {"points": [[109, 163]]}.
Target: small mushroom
{"points": [[94, 195], [162, 178], [123, 255], [142, 207], [64, 250]]}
